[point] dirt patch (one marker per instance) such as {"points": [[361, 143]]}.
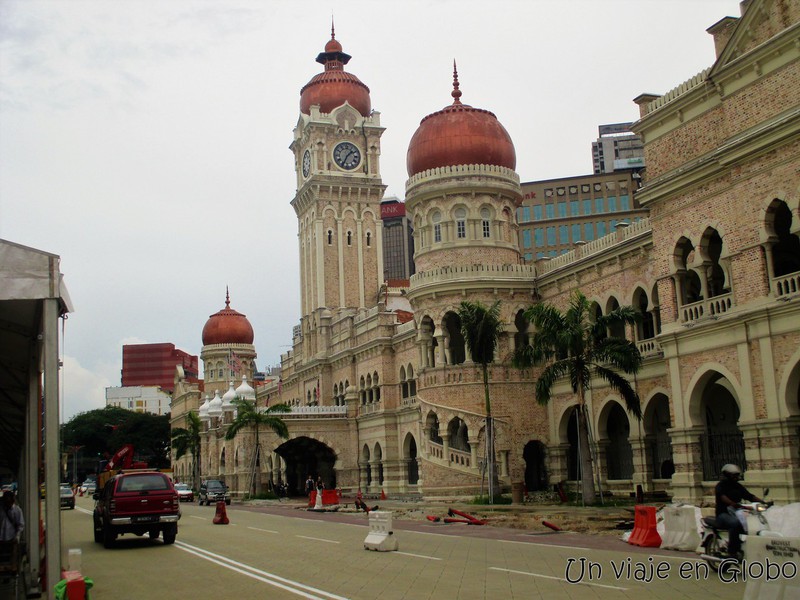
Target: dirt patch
{"points": [[611, 522]]}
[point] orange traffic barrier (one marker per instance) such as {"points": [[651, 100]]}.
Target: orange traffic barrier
{"points": [[221, 516], [383, 495], [644, 531]]}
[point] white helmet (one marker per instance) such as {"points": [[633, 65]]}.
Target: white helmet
{"points": [[731, 470]]}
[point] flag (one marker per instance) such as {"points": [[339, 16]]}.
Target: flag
{"points": [[234, 363]]}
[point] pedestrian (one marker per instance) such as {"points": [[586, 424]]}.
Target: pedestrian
{"points": [[12, 523], [309, 485], [320, 485], [729, 494]]}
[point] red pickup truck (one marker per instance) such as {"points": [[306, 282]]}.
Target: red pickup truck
{"points": [[140, 501]]}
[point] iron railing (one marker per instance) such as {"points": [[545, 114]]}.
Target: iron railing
{"points": [[720, 449]]}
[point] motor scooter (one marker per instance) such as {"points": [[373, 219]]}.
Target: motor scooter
{"points": [[715, 538]]}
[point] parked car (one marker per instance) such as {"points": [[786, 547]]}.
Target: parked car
{"points": [[136, 502], [185, 493], [67, 496], [213, 490], [89, 486]]}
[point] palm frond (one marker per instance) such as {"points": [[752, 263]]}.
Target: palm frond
{"points": [[620, 353], [623, 386]]}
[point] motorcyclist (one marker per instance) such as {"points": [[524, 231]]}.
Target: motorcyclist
{"points": [[729, 494]]}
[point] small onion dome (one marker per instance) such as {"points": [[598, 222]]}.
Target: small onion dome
{"points": [[227, 399], [244, 390], [334, 86], [459, 135], [204, 410], [227, 327], [215, 406]]}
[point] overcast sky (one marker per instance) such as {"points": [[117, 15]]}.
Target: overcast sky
{"points": [[146, 142]]}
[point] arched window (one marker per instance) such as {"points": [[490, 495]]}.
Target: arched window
{"points": [[461, 223], [403, 383], [437, 227], [412, 383], [349, 238], [369, 239], [486, 223], [330, 237]]}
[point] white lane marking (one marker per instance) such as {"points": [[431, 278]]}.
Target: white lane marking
{"points": [[611, 587], [258, 574], [305, 537], [544, 545], [267, 530], [196, 517], [417, 555], [83, 510]]}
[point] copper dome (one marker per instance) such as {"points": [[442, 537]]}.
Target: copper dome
{"points": [[459, 135], [334, 86], [227, 327]]}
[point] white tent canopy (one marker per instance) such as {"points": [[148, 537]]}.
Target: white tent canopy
{"points": [[32, 299]]}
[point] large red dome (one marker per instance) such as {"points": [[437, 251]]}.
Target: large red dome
{"points": [[459, 135], [334, 86], [227, 327]]}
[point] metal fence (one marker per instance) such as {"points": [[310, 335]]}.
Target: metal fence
{"points": [[619, 460], [661, 461], [719, 449]]}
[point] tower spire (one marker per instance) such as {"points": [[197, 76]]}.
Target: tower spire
{"points": [[456, 93], [227, 298]]}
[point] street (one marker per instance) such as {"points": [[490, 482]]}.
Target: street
{"points": [[282, 552]]}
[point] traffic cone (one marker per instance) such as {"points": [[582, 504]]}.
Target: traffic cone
{"points": [[80, 490], [383, 495], [221, 517]]}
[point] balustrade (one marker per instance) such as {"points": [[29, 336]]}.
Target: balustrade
{"points": [[712, 307], [786, 284]]}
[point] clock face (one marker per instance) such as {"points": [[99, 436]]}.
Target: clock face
{"points": [[347, 155], [306, 163]]}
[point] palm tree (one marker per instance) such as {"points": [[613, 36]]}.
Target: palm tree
{"points": [[481, 328], [188, 440], [248, 415], [572, 345]]}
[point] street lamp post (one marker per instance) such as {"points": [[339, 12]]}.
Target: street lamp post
{"points": [[75, 449]]}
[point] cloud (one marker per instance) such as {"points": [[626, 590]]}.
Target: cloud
{"points": [[83, 389]]}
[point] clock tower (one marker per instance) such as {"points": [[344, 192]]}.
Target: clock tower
{"points": [[339, 189]]}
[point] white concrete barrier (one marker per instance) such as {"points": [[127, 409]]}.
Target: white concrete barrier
{"points": [[770, 568], [380, 536], [680, 529]]}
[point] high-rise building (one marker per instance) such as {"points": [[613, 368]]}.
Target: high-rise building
{"points": [[154, 365], [398, 241], [617, 148], [556, 214]]}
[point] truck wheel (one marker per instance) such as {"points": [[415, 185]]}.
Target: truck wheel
{"points": [[154, 533], [170, 531], [98, 533], [228, 502], [108, 536]]}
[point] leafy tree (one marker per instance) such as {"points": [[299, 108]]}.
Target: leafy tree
{"points": [[573, 345], [103, 431], [188, 440], [249, 415], [481, 328]]}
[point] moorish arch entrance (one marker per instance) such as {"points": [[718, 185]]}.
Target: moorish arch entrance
{"points": [[305, 456], [722, 441]]}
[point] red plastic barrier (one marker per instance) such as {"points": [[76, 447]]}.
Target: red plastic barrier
{"points": [[644, 531], [221, 516], [329, 498], [76, 586]]}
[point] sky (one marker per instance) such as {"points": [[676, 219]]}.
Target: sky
{"points": [[147, 142]]}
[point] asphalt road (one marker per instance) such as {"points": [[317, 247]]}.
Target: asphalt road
{"points": [[282, 552]]}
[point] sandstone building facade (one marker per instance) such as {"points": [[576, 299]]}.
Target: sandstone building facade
{"points": [[383, 394]]}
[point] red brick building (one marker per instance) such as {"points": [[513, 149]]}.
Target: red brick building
{"points": [[154, 364]]}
